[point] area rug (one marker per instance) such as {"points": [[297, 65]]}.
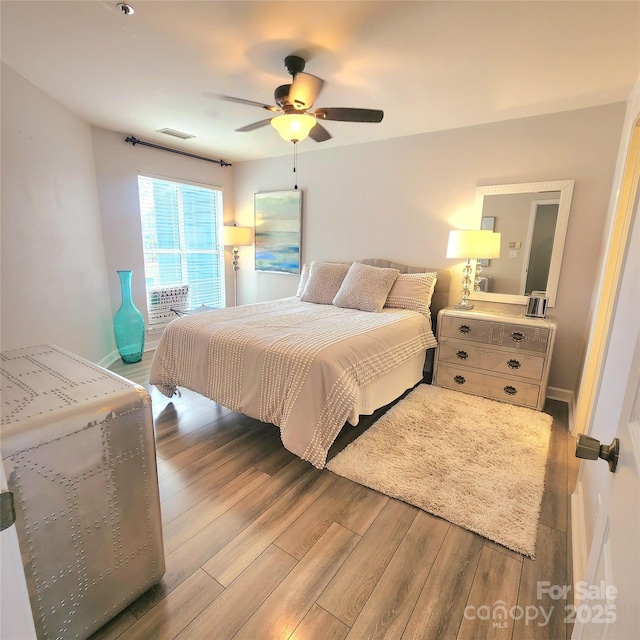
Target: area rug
{"points": [[477, 463]]}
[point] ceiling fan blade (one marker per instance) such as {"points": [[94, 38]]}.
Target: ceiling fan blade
{"points": [[304, 90], [319, 133], [250, 103], [255, 125], [349, 115]]}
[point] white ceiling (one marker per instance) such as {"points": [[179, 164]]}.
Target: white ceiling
{"points": [[429, 65]]}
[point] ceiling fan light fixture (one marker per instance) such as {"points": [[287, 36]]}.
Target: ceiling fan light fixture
{"points": [[293, 127]]}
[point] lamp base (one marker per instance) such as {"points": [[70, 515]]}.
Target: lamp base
{"points": [[464, 303]]}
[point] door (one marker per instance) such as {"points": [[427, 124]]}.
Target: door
{"points": [[611, 588], [608, 608], [539, 246], [16, 621]]}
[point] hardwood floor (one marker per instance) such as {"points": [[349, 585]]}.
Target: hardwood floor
{"points": [[259, 544]]}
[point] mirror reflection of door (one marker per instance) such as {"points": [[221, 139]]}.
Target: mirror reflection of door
{"points": [[542, 227]]}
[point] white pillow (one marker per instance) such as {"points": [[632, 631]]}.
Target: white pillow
{"points": [[412, 291], [324, 281], [365, 287], [304, 276]]}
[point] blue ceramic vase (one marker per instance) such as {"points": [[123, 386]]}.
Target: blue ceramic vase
{"points": [[128, 324]]}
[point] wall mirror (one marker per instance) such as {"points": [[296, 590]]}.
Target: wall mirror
{"points": [[532, 219]]}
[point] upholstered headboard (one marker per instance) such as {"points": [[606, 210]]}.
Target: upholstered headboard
{"points": [[440, 297]]}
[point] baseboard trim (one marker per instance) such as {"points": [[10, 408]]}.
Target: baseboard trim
{"points": [[564, 395], [579, 549], [112, 357], [109, 359]]}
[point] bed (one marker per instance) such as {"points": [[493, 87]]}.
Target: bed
{"points": [[353, 339]]}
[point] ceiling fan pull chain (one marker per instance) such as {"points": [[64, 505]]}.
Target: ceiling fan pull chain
{"points": [[295, 165]]}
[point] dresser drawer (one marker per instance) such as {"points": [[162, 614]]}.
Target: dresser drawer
{"points": [[490, 359], [488, 385], [502, 334]]}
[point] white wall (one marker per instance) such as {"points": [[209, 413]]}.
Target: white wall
{"points": [[399, 198], [117, 167], [394, 199], [54, 276]]}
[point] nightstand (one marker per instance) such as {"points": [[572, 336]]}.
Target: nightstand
{"points": [[494, 354]]}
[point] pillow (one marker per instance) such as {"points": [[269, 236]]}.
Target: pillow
{"points": [[365, 287], [304, 276], [412, 291], [324, 281]]}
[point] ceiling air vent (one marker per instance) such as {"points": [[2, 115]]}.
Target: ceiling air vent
{"points": [[176, 134]]}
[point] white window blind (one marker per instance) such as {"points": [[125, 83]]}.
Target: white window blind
{"points": [[182, 260]]}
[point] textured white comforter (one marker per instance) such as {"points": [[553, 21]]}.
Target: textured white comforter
{"points": [[297, 365]]}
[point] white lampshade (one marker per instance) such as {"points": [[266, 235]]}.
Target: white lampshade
{"points": [[236, 236], [473, 244], [293, 127]]}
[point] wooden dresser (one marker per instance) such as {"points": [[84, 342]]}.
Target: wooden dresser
{"points": [[497, 355]]}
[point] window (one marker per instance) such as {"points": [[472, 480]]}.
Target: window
{"points": [[183, 265]]}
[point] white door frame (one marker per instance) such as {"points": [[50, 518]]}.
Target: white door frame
{"points": [[16, 619], [624, 196], [613, 554], [600, 328]]}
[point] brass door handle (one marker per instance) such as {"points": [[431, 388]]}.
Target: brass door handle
{"points": [[589, 448]]}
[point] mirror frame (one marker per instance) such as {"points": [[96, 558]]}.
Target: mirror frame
{"points": [[565, 187]]}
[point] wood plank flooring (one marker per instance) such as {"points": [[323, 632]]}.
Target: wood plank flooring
{"points": [[259, 544]]}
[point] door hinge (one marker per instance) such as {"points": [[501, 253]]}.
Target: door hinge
{"points": [[7, 510]]}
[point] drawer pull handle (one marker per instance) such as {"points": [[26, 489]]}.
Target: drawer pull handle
{"points": [[517, 336], [513, 364], [464, 328], [463, 355], [459, 379], [510, 391]]}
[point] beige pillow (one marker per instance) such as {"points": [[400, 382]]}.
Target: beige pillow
{"points": [[324, 281], [304, 276], [412, 291], [365, 287]]}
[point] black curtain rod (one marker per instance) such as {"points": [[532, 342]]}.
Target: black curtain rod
{"points": [[135, 141]]}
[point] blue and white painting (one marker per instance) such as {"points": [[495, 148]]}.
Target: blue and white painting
{"points": [[278, 216]]}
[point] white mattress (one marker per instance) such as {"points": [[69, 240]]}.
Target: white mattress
{"points": [[388, 387]]}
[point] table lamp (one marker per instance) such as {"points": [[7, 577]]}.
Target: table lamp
{"points": [[471, 244]]}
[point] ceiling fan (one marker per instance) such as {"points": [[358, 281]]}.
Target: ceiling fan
{"points": [[294, 100]]}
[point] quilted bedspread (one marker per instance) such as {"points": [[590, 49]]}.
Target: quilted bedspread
{"points": [[297, 365]]}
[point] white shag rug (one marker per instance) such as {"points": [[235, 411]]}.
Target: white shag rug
{"points": [[477, 463]]}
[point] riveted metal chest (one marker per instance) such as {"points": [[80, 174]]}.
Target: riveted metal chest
{"points": [[79, 454]]}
